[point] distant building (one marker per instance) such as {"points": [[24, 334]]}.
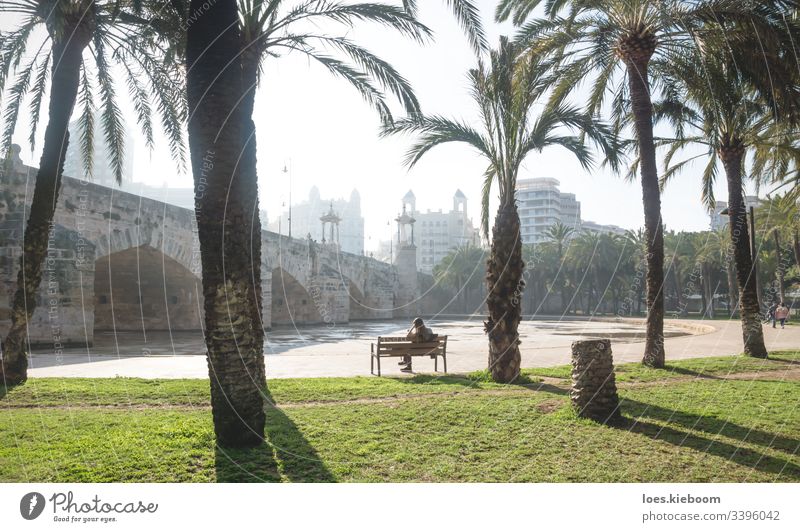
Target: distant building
{"points": [[438, 232], [541, 205], [593, 227], [102, 172], [719, 220], [306, 220]]}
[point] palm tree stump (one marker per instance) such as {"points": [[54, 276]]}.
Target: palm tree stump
{"points": [[594, 390]]}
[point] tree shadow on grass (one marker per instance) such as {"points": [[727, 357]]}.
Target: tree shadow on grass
{"points": [[470, 380], [285, 455], [690, 372], [784, 359], [759, 461]]}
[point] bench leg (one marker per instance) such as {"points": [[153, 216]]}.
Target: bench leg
{"points": [[444, 359], [436, 363], [372, 364], [379, 365]]}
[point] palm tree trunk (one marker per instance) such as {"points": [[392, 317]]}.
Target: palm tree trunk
{"points": [[233, 338], [752, 333], [63, 92], [733, 290], [651, 195], [249, 176], [505, 284], [709, 290], [779, 270]]}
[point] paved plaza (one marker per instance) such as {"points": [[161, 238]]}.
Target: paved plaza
{"points": [[343, 351]]}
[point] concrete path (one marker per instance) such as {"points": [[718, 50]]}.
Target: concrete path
{"points": [[179, 356]]}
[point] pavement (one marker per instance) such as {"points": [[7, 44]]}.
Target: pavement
{"points": [[345, 352]]}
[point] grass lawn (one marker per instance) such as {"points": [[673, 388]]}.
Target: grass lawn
{"points": [[727, 419]]}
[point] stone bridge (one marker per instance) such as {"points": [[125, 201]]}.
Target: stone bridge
{"points": [[118, 261]]}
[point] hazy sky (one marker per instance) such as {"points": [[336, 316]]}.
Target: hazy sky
{"points": [[330, 135]]}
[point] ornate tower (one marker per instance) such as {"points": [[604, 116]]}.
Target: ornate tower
{"points": [[407, 287], [330, 221]]}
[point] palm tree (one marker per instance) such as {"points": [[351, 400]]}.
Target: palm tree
{"points": [[112, 33], [636, 242], [460, 270], [505, 93], [714, 107], [600, 36], [223, 199], [468, 16], [560, 235], [270, 28], [778, 216]]}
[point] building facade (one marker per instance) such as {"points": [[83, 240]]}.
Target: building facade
{"points": [[437, 233], [541, 205], [305, 220]]}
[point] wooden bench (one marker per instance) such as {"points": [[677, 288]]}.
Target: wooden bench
{"points": [[400, 346]]}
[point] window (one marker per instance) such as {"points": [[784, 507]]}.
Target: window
{"points": [[173, 300], [103, 300]]}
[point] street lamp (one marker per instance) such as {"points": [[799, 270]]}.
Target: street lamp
{"points": [[288, 170]]}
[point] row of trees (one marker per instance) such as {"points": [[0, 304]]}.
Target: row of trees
{"points": [[718, 72], [588, 273], [197, 63]]}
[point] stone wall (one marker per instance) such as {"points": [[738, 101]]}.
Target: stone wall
{"points": [[139, 266]]}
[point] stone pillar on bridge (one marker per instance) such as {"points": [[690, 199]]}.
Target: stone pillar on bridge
{"points": [[406, 300]]}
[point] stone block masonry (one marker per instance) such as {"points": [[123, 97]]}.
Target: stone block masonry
{"points": [[124, 262]]}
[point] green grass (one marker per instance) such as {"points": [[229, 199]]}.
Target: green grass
{"points": [[676, 427], [709, 367]]}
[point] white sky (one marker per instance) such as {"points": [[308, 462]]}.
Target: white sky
{"points": [[330, 135]]}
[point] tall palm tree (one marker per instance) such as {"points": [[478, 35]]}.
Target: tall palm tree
{"points": [[713, 106], [83, 41], [223, 199], [597, 39], [777, 217], [505, 92], [270, 28], [560, 235]]}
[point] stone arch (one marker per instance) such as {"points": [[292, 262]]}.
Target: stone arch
{"points": [[291, 302], [180, 245], [359, 307], [143, 289]]}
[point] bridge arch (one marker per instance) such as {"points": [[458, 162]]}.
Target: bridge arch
{"points": [[142, 289], [291, 302]]}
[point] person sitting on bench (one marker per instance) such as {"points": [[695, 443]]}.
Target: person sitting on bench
{"points": [[418, 333]]}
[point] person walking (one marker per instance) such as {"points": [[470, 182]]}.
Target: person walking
{"points": [[781, 313], [771, 313]]}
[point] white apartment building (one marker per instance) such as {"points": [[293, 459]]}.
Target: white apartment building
{"points": [[594, 227], [306, 220], [541, 204], [437, 233]]}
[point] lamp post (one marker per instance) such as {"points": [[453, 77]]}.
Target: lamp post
{"points": [[288, 170]]}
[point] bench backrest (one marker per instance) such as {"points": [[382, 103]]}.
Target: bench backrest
{"points": [[400, 345]]}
